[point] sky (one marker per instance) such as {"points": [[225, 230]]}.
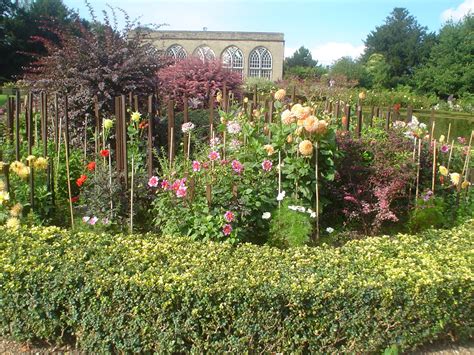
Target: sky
{"points": [[329, 28]]}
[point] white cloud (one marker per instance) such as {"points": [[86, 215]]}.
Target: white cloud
{"points": [[327, 53], [459, 12]]}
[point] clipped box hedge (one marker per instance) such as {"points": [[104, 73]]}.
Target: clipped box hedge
{"points": [[147, 293]]}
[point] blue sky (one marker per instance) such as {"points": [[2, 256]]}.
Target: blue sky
{"points": [[330, 29]]}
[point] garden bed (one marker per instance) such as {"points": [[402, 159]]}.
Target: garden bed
{"points": [[137, 293]]}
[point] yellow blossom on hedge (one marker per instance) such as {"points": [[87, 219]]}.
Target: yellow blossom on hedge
{"points": [[443, 170], [41, 163], [362, 95], [136, 116], [4, 197], [455, 177], [13, 223], [306, 147], [280, 94], [30, 159], [16, 210]]}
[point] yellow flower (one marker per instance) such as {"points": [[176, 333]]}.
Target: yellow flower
{"points": [[16, 166], [24, 172], [256, 113], [4, 197], [442, 138], [269, 148], [443, 171], [219, 97], [13, 223], [455, 177], [362, 95], [30, 159], [306, 148], [465, 184], [280, 94], [246, 99], [136, 116], [108, 123], [2, 164], [41, 163], [287, 117], [16, 210], [289, 139], [298, 131]]}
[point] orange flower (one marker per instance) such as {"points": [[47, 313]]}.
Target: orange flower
{"points": [[143, 124], [80, 181], [91, 166], [104, 153], [306, 147], [310, 124]]}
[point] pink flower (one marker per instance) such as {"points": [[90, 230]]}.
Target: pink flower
{"points": [[181, 192], [267, 165], [237, 166], [462, 140], [445, 148], [153, 181], [196, 166], [85, 219], [175, 186], [229, 216], [165, 185], [93, 220], [214, 155], [227, 229]]}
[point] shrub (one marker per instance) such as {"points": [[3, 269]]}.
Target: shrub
{"points": [[197, 80], [138, 293]]}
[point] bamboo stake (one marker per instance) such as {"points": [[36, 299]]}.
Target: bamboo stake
{"points": [[434, 166], [418, 172], [131, 194], [450, 154], [317, 191], [468, 154], [449, 132], [69, 184], [171, 145], [279, 176], [189, 145]]}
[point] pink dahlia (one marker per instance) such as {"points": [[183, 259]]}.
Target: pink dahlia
{"points": [[267, 165], [165, 185], [214, 155], [153, 181], [196, 166], [229, 216], [237, 166], [227, 229], [181, 192]]}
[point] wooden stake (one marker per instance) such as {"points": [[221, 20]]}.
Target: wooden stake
{"points": [[69, 183], [17, 125], [466, 161], [317, 190], [434, 165], [450, 154], [418, 172], [449, 132]]}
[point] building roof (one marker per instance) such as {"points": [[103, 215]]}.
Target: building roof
{"points": [[218, 35]]}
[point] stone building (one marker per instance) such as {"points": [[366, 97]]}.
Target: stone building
{"points": [[253, 54]]}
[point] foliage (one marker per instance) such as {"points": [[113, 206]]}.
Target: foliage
{"points": [[196, 80], [403, 42], [19, 23], [301, 72], [427, 214], [290, 226], [100, 60], [301, 58], [449, 70], [349, 68], [263, 85], [377, 70], [144, 293]]}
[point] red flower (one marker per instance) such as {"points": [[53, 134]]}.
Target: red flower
{"points": [[143, 124], [75, 199], [396, 107], [227, 229], [80, 181], [104, 153], [91, 166]]}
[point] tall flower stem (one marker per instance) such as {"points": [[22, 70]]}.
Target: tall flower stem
{"points": [[418, 172], [450, 154]]}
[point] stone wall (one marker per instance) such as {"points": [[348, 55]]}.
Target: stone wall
{"points": [[219, 41]]}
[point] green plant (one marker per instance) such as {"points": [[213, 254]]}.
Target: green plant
{"points": [[146, 293]]}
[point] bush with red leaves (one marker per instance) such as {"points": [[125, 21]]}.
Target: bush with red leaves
{"points": [[197, 80]]}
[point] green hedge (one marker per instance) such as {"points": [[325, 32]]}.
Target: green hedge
{"points": [[148, 293]]}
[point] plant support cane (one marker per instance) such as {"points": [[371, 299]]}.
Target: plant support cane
{"points": [[69, 184], [317, 189]]}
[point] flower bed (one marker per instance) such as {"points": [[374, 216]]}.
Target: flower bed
{"points": [[137, 293]]}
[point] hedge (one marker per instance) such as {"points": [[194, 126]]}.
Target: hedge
{"points": [[138, 293]]}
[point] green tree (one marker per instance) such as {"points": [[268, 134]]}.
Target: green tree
{"points": [[450, 69], [403, 42], [377, 70], [351, 69], [301, 58]]}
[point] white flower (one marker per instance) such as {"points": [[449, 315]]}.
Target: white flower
{"points": [[422, 126], [329, 229], [187, 127], [266, 215], [85, 219], [281, 196], [215, 141], [312, 214], [293, 208], [301, 209], [233, 127]]}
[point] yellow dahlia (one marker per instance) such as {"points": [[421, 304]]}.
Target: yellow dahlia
{"points": [[443, 170], [280, 94], [24, 172], [136, 116], [455, 177], [4, 197], [269, 148], [16, 210], [13, 223], [41, 163], [287, 117]]}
